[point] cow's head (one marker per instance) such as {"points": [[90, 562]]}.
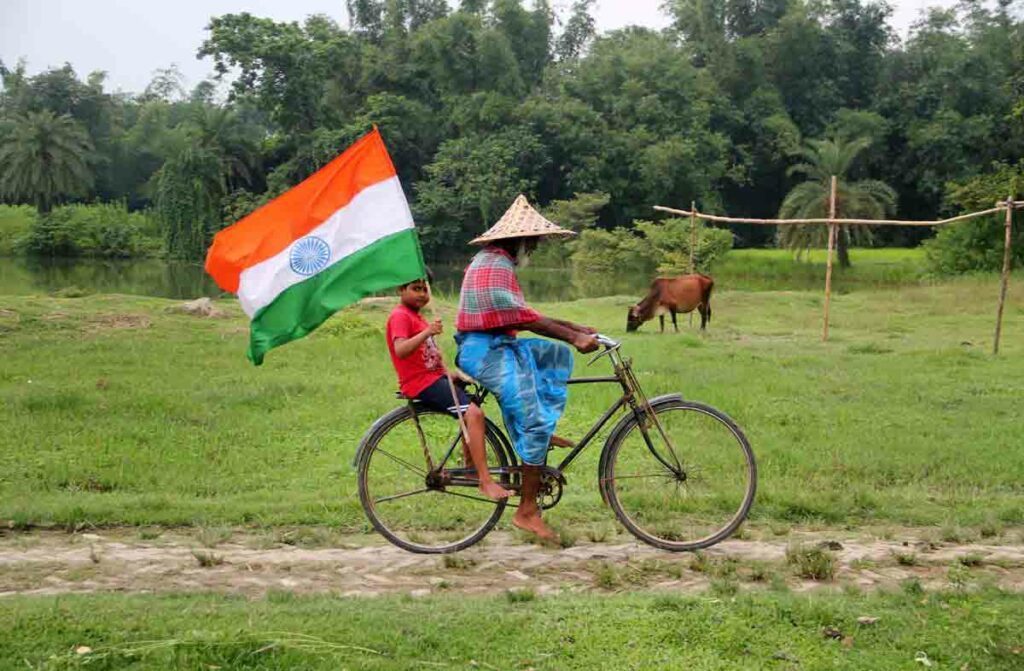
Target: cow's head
{"points": [[633, 320]]}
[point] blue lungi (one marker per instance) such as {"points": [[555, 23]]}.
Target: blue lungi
{"points": [[528, 376]]}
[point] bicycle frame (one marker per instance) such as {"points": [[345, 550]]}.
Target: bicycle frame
{"points": [[632, 396]]}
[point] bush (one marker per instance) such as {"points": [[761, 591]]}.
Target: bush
{"points": [[664, 247], [578, 214], [16, 223], [977, 244], [614, 250], [671, 242], [102, 230]]}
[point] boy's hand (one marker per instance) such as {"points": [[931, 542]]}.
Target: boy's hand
{"points": [[435, 328]]}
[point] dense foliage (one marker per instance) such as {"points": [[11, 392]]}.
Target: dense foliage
{"points": [[493, 98], [106, 230]]}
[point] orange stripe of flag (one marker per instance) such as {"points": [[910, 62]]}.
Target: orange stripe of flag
{"points": [[272, 228]]}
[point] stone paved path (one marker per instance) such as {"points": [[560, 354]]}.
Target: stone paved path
{"points": [[119, 560]]}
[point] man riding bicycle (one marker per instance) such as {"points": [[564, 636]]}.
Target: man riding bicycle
{"points": [[527, 375]]}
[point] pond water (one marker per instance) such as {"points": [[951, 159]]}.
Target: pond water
{"points": [[752, 270], [178, 279]]}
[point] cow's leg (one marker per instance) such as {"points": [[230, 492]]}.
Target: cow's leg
{"points": [[661, 320], [674, 324], [704, 312]]}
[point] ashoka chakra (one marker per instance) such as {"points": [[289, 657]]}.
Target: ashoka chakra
{"points": [[309, 255]]}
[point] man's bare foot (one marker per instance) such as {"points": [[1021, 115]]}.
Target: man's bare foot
{"points": [[493, 490], [558, 441], [535, 525]]}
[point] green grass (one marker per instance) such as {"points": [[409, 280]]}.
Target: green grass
{"points": [[283, 631], [116, 411], [774, 269]]}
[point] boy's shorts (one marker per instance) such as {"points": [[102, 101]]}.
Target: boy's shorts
{"points": [[438, 396]]}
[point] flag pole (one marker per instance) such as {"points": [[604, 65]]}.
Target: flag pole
{"points": [[451, 383]]}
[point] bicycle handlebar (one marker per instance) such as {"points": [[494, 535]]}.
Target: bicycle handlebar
{"points": [[609, 344]]}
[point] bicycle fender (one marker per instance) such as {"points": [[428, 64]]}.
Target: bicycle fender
{"points": [[619, 430]]}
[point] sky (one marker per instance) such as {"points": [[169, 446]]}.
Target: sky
{"points": [[130, 39]]}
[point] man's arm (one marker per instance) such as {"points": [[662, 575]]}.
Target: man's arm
{"points": [[574, 326], [553, 328]]}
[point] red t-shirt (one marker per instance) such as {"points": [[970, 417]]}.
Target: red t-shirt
{"points": [[423, 367]]}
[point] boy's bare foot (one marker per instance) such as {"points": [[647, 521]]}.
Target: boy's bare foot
{"points": [[535, 525], [558, 441], [493, 490]]}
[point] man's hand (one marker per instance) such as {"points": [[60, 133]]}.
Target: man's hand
{"points": [[585, 343], [435, 328]]}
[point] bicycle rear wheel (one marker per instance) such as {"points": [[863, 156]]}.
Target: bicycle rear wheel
{"points": [[690, 496], [413, 507]]}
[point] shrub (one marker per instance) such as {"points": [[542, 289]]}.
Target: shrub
{"points": [[977, 244], [578, 214], [812, 563], [671, 242], [103, 230], [614, 250], [16, 222], [663, 246]]}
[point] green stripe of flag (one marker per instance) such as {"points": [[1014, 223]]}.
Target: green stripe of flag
{"points": [[301, 308]]}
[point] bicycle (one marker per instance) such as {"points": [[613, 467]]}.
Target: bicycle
{"points": [[419, 499]]}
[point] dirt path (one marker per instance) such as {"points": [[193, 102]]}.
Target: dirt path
{"points": [[121, 560]]}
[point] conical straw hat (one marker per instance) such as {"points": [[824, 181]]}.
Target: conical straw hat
{"points": [[521, 221]]}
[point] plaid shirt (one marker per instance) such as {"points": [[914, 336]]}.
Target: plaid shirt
{"points": [[491, 298]]}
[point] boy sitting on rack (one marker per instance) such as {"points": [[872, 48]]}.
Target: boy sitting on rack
{"points": [[422, 375]]}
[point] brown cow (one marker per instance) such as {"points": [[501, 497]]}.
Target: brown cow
{"points": [[673, 295]]}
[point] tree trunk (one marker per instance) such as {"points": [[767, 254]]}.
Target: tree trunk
{"points": [[843, 246]]}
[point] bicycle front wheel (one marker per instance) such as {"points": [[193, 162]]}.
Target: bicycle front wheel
{"points": [[688, 492], [426, 507]]}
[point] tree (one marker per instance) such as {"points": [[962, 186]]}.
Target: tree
{"points": [[472, 181], [190, 190], [864, 199], [579, 31], [44, 159], [977, 244], [222, 132]]}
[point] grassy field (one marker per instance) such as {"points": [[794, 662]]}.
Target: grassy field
{"points": [[773, 269], [117, 411], [952, 630]]}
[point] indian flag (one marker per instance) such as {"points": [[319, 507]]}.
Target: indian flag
{"points": [[344, 233]]}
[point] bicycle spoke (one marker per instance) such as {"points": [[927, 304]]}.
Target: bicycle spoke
{"points": [[402, 462], [641, 475], [404, 497], [401, 496], [467, 496], [696, 506]]}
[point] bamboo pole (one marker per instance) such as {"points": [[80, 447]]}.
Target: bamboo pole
{"points": [[840, 222], [693, 242], [1007, 257], [693, 232], [831, 246], [463, 429]]}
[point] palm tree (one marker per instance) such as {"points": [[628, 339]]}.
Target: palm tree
{"points": [[224, 133], [864, 199], [44, 159]]}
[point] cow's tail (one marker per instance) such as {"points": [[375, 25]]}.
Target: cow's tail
{"points": [[706, 296]]}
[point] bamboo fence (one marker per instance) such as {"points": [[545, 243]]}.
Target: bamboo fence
{"points": [[833, 223]]}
